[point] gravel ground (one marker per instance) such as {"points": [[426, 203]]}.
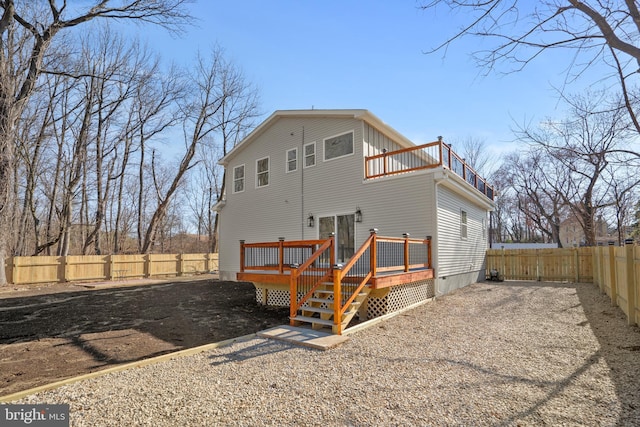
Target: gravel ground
{"points": [[502, 354]]}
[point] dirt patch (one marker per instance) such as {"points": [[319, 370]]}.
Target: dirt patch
{"points": [[61, 331]]}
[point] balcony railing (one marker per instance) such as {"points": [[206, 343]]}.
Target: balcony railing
{"points": [[422, 157]]}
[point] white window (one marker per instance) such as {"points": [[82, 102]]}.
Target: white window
{"points": [[338, 146], [310, 155], [484, 228], [292, 160], [262, 172], [463, 225], [238, 179]]}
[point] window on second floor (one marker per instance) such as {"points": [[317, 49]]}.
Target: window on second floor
{"points": [[238, 179], [338, 146], [262, 172], [292, 160], [310, 155]]}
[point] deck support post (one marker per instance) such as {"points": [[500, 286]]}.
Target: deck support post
{"points": [[241, 256], [406, 251], [293, 295], [337, 303], [373, 262], [280, 255]]}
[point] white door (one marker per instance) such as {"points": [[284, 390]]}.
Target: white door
{"points": [[344, 227]]}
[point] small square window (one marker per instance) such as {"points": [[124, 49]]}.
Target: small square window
{"points": [[310, 155], [262, 172], [238, 179], [292, 160]]}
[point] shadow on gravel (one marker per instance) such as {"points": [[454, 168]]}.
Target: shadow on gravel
{"points": [[619, 347], [256, 350], [49, 337]]}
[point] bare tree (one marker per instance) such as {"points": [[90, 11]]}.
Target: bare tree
{"points": [[588, 144], [518, 31], [27, 30]]}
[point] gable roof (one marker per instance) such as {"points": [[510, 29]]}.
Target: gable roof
{"points": [[360, 114]]}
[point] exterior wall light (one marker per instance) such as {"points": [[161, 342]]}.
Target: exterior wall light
{"points": [[358, 215], [311, 220]]}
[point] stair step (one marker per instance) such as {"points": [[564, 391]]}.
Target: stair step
{"points": [[317, 310], [320, 300], [313, 320]]}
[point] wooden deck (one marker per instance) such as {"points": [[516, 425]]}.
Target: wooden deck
{"points": [[380, 281]]}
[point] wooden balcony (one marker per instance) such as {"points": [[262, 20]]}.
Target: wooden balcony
{"points": [[423, 157]]}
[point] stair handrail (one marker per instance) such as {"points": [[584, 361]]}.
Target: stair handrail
{"points": [[340, 271], [298, 271]]}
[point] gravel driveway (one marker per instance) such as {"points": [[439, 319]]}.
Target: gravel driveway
{"points": [[511, 353]]}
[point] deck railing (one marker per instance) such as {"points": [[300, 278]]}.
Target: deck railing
{"points": [[277, 256], [421, 157], [306, 278], [310, 263]]}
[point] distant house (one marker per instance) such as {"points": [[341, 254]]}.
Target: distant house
{"points": [[572, 234], [302, 175]]}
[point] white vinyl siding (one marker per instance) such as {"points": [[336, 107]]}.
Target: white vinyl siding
{"points": [[262, 172], [238, 179], [457, 255], [310, 155], [338, 146], [292, 160]]}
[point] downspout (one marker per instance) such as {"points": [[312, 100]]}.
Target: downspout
{"points": [[302, 214]]}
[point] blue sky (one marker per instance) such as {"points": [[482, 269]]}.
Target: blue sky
{"points": [[370, 54]]}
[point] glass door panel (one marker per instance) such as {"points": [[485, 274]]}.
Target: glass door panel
{"points": [[344, 227]]}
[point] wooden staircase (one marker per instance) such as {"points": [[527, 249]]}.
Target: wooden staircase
{"points": [[319, 310]]}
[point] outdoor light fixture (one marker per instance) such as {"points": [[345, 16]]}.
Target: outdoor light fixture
{"points": [[358, 215], [310, 220]]}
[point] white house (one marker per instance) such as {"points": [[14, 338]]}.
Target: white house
{"points": [[303, 174]]}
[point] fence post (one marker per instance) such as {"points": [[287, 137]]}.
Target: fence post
{"points": [[180, 265], [577, 264], [63, 268], [110, 267], [631, 283], [601, 268], [612, 274], [8, 268], [147, 265], [14, 271]]}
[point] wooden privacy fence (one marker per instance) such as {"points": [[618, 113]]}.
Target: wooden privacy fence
{"points": [[561, 264], [616, 270], [74, 268]]}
